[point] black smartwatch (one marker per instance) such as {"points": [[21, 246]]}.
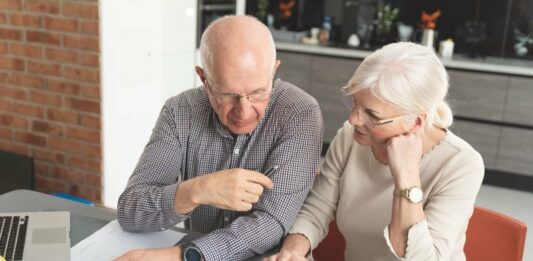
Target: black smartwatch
{"points": [[190, 252]]}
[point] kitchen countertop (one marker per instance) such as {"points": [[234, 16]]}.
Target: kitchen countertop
{"points": [[488, 64]]}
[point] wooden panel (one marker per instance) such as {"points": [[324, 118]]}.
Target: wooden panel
{"points": [[328, 75], [477, 95], [519, 105], [516, 151], [295, 68], [483, 137]]}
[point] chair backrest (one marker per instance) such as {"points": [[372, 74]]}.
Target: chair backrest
{"points": [[16, 172], [494, 236], [332, 246]]}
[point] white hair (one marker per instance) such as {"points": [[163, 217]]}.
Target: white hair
{"points": [[409, 76], [232, 23]]}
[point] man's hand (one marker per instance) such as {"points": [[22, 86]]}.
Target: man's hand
{"points": [[171, 253], [233, 189], [286, 255]]}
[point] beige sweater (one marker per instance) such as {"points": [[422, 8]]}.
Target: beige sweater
{"points": [[356, 190]]}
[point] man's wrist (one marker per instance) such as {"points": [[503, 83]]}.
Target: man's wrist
{"points": [[185, 200]]}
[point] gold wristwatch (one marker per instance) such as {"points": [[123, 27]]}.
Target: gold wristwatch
{"points": [[413, 194]]}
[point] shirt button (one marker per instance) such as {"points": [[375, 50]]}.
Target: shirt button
{"points": [[236, 151], [226, 219]]}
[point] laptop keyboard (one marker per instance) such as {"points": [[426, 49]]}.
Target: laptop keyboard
{"points": [[12, 236]]}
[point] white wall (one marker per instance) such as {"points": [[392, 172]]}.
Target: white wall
{"points": [[148, 55]]}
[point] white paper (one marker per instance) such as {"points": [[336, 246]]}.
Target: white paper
{"points": [[111, 242]]}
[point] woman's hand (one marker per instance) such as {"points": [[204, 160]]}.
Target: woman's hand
{"points": [[403, 155], [286, 255]]}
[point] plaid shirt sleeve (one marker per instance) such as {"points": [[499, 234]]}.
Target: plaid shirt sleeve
{"points": [[297, 152], [147, 204]]}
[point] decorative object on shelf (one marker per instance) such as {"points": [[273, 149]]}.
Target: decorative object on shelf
{"points": [[353, 40], [313, 39], [323, 36], [446, 48], [521, 42], [385, 18], [429, 23], [262, 8], [285, 9], [404, 32]]}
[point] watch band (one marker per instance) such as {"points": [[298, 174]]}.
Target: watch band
{"points": [[413, 194]]}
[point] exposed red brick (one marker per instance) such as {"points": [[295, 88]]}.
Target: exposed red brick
{"points": [[91, 151], [61, 55], [83, 163], [90, 28], [60, 24], [30, 110], [5, 132], [3, 18], [92, 122], [63, 144], [92, 60], [63, 87], [26, 50], [48, 155], [47, 128], [17, 93], [81, 74], [14, 121], [46, 98], [92, 194], [22, 79], [43, 37], [11, 63], [25, 20], [42, 168], [91, 91], [3, 48], [10, 34], [5, 105], [81, 42], [10, 4], [61, 115], [93, 180], [49, 185], [83, 134], [76, 9], [44, 68], [83, 105], [42, 6], [30, 138], [19, 148]]}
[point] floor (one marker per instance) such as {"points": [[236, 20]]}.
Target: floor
{"points": [[514, 203]]}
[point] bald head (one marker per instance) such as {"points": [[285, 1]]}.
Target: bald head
{"points": [[237, 41]]}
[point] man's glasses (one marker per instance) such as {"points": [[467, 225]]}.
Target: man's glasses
{"points": [[232, 98], [368, 119]]}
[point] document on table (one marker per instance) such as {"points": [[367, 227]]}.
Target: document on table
{"points": [[111, 242]]}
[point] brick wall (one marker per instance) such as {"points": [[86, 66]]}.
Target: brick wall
{"points": [[50, 91]]}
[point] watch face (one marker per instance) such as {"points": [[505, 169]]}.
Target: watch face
{"points": [[415, 195], [192, 254]]}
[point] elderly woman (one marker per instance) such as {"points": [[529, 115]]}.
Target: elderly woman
{"points": [[398, 182]]}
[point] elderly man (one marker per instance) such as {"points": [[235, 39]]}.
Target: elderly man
{"points": [[206, 158]]}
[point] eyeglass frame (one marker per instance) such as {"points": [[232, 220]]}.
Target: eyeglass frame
{"points": [[377, 122], [236, 97]]}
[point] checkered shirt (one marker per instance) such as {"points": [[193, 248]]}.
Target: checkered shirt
{"points": [[188, 140]]}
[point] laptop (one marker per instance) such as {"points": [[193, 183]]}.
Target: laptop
{"points": [[33, 236]]}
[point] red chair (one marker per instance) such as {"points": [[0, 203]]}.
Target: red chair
{"points": [[332, 246], [494, 236], [490, 236]]}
